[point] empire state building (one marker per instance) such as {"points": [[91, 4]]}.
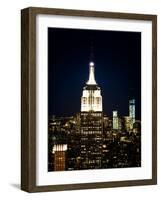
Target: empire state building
{"points": [[91, 128], [91, 98]]}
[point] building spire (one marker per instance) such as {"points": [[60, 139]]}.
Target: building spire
{"points": [[91, 80], [91, 53]]}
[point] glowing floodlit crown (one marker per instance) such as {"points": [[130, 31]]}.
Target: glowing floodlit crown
{"points": [[91, 80]]}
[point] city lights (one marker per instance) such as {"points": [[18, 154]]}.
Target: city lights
{"points": [[91, 139]]}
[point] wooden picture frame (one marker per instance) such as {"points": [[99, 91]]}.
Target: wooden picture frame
{"points": [[28, 98]]}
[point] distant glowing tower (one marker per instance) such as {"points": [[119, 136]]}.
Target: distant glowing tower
{"points": [[115, 120], [132, 112], [127, 123], [91, 124]]}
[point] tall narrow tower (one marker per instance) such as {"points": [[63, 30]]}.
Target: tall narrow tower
{"points": [[132, 112], [91, 123], [115, 120]]}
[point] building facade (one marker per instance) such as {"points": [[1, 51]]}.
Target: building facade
{"points": [[59, 151], [91, 124], [115, 120]]}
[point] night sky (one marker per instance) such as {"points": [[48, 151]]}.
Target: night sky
{"points": [[117, 58]]}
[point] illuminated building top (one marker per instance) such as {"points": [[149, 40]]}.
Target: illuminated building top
{"points": [[91, 80], [91, 99]]}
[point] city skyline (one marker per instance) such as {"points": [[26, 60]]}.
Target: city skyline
{"points": [[87, 130], [90, 139], [64, 83]]}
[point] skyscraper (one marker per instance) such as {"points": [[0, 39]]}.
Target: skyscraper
{"points": [[91, 128], [127, 123], [132, 112], [59, 151], [115, 120]]}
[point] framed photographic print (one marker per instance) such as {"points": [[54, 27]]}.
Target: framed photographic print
{"points": [[89, 99]]}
